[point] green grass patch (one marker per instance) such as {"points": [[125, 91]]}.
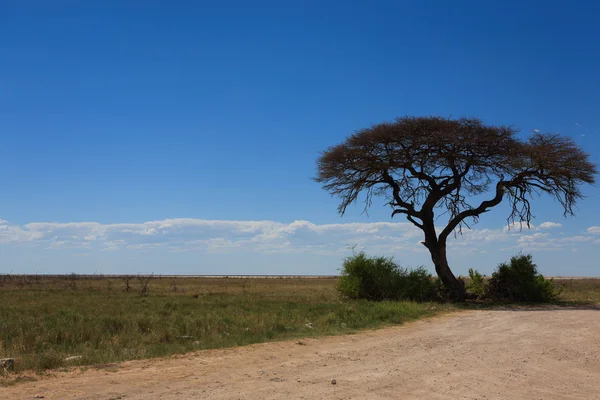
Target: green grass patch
{"points": [[46, 321]]}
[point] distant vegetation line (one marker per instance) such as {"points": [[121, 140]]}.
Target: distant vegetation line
{"points": [[220, 276], [102, 276]]}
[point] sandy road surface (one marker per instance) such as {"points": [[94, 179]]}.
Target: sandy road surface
{"points": [[504, 354]]}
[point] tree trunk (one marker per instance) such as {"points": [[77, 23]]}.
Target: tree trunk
{"points": [[437, 249], [438, 256]]}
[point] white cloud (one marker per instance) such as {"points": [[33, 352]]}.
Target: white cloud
{"points": [[594, 229], [15, 234], [518, 227], [550, 225], [532, 238], [266, 237], [537, 242], [478, 236], [187, 234], [544, 241], [577, 239]]}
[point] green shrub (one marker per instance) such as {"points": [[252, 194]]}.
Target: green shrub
{"points": [[417, 285], [371, 278], [380, 278], [476, 283], [519, 280], [350, 287]]}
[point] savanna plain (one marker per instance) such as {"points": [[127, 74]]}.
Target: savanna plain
{"points": [[57, 326]]}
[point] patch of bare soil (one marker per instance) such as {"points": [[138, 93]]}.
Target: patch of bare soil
{"points": [[551, 353]]}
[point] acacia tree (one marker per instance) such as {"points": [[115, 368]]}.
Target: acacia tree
{"points": [[425, 166]]}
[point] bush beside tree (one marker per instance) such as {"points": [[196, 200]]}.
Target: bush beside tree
{"points": [[380, 278], [519, 281]]}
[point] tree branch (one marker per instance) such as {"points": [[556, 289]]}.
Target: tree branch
{"points": [[421, 175], [408, 217], [474, 212], [410, 209]]}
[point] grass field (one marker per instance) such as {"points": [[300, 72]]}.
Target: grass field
{"points": [[44, 320], [579, 290]]}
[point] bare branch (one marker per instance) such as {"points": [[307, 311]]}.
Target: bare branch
{"points": [[474, 212], [396, 193], [408, 217]]}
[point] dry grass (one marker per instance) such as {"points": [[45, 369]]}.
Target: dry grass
{"points": [[44, 320], [579, 290]]}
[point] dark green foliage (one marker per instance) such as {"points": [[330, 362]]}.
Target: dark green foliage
{"points": [[519, 280], [418, 285], [371, 278], [477, 283], [380, 278]]}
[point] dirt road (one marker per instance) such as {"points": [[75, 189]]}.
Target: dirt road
{"points": [[503, 354]]}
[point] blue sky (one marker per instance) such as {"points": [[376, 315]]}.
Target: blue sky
{"points": [[181, 137]]}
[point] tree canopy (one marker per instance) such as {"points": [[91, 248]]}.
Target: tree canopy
{"points": [[424, 165]]}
